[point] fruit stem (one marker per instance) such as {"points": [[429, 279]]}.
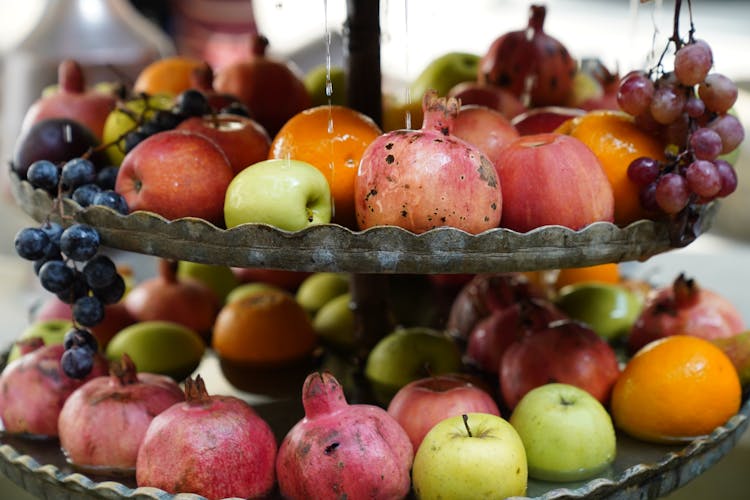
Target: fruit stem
{"points": [[258, 46], [536, 19], [465, 417], [70, 77], [168, 270], [124, 370]]}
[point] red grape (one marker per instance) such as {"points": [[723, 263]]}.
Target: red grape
{"points": [[672, 194], [703, 178], [667, 104], [705, 143], [694, 107], [643, 170], [692, 63], [728, 178], [647, 197], [635, 93], [730, 130], [718, 92]]}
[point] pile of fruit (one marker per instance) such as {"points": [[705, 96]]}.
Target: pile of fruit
{"points": [[480, 373]]}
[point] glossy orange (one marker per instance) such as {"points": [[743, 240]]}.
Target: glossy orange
{"points": [[171, 75], [676, 388], [333, 139], [602, 273]]}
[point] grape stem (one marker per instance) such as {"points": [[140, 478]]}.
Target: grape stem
{"points": [[675, 38]]}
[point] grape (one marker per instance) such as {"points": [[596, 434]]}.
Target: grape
{"points": [[192, 102], [694, 107], [78, 289], [672, 194], [647, 198], [150, 128], [132, 139], [31, 243], [80, 337], [80, 242], [55, 276], [646, 122], [84, 195], [667, 104], [728, 178], [166, 120], [692, 63], [676, 133], [88, 311], [635, 93], [730, 131], [112, 200], [107, 176], [111, 293], [43, 174], [643, 170], [718, 92], [77, 172], [703, 178], [236, 108], [99, 271], [705, 144], [77, 362], [53, 230]]}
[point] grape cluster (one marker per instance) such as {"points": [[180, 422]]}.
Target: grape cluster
{"points": [[689, 108]]}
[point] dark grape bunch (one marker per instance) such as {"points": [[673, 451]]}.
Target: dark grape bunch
{"points": [[689, 107]]}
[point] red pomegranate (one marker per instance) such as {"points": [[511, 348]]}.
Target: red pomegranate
{"points": [[340, 450]]}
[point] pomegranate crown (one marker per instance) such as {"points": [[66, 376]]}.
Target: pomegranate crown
{"points": [[322, 394]]}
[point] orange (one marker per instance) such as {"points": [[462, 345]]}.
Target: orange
{"points": [[333, 139], [171, 75], [267, 328], [602, 273], [676, 388], [616, 141]]}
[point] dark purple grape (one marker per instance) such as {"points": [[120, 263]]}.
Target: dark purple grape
{"points": [[705, 144], [643, 170], [31, 243], [192, 102], [56, 276], [166, 120], [84, 195], [718, 92], [78, 289], [236, 108], [693, 62], [113, 200], [80, 337], [77, 362], [703, 178], [107, 176], [635, 93], [111, 293], [672, 194], [43, 174], [80, 242], [99, 271], [77, 172], [132, 139], [88, 311], [728, 178], [647, 198]]}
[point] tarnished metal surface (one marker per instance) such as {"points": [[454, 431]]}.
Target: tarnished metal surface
{"points": [[332, 247]]}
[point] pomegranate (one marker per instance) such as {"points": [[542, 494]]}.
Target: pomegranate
{"points": [[492, 335], [167, 298], [485, 94], [340, 450], [423, 179], [482, 295], [72, 100], [531, 64], [215, 446], [486, 129], [103, 422], [272, 90], [565, 351], [202, 78], [684, 308], [33, 389]]}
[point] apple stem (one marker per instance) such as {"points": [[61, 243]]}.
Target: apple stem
{"points": [[466, 423]]}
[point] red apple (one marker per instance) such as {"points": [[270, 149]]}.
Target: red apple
{"points": [[492, 335], [421, 404], [176, 174], [485, 128], [242, 139], [552, 179], [492, 96], [543, 120], [567, 352]]}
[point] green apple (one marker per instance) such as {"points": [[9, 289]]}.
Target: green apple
{"points": [[316, 81], [319, 288], [737, 348], [335, 322], [475, 455], [609, 309], [288, 194], [445, 72], [159, 347], [121, 121], [567, 433], [248, 289], [51, 331], [218, 278], [408, 354]]}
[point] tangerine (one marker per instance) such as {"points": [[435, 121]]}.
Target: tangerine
{"points": [[674, 389], [333, 139], [266, 328], [601, 273], [170, 75], [616, 141]]}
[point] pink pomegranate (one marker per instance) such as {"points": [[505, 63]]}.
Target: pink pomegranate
{"points": [[72, 100], [486, 129], [423, 179], [211, 445], [33, 389], [531, 64], [340, 450], [684, 308], [103, 422]]}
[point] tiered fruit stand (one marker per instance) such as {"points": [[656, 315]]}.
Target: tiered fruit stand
{"points": [[641, 470]]}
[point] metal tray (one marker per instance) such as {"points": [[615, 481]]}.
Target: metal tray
{"points": [[384, 249], [641, 470]]}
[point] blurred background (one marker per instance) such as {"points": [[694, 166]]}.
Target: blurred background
{"points": [[126, 34]]}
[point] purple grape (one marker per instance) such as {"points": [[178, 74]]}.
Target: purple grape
{"points": [[77, 362], [635, 93], [718, 92], [705, 144], [31, 243], [56, 276], [672, 194], [728, 178], [88, 311], [730, 130], [643, 170], [703, 178], [80, 242], [692, 63], [667, 104], [43, 174]]}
